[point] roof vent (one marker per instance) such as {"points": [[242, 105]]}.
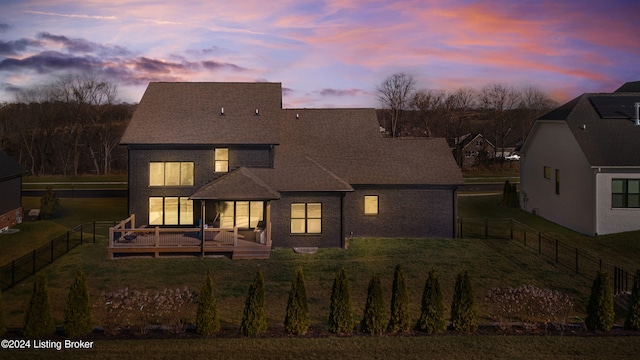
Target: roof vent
{"points": [[257, 112], [637, 104], [221, 111], [583, 127], [297, 116]]}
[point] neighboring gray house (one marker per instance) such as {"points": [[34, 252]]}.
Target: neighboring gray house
{"points": [[580, 164], [229, 153], [11, 189]]}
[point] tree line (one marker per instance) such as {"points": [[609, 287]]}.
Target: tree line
{"points": [[502, 113], [71, 126]]}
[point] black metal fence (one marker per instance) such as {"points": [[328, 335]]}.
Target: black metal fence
{"points": [[578, 261], [27, 265]]}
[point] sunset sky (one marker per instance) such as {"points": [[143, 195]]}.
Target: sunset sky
{"points": [[329, 53]]}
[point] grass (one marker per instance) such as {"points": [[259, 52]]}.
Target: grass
{"points": [[438, 347]]}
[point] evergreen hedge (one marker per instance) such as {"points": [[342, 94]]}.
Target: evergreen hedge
{"points": [[254, 319], [207, 318], [297, 318], [600, 309], [341, 313], [77, 312], [374, 319], [38, 319], [464, 316], [633, 316], [400, 319], [432, 318]]}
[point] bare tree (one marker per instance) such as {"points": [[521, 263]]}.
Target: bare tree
{"points": [[394, 94], [533, 104], [428, 103], [457, 109], [498, 100]]}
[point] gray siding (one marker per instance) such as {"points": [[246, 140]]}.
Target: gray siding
{"points": [[11, 194], [403, 212], [281, 236]]}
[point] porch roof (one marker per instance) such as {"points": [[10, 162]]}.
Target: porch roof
{"points": [[240, 184]]}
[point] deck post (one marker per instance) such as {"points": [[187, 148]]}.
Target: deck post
{"points": [[235, 236], [202, 218], [157, 236], [133, 221]]}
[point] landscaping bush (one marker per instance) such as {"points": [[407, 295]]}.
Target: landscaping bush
{"points": [[464, 316], [254, 319], [77, 312], [633, 316], [600, 309], [297, 318], [207, 318], [374, 319], [3, 324], [529, 305], [48, 204], [400, 319], [432, 318], [38, 319], [341, 313]]}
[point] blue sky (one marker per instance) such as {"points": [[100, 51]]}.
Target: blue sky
{"points": [[329, 53]]}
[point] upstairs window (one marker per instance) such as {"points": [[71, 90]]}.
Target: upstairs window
{"points": [[221, 161], [625, 193], [171, 173]]}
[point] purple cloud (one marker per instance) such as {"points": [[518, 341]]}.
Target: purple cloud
{"points": [[341, 92], [49, 61], [78, 45], [214, 65], [15, 47]]}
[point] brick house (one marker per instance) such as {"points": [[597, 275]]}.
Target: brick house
{"points": [[228, 155]]}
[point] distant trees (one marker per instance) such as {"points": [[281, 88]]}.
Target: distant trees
{"points": [[68, 127], [502, 113]]}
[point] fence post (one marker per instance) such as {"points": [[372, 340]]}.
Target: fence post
{"points": [[67, 241], [81, 231], [511, 229], [461, 227], [539, 243], [33, 259], [615, 280], [486, 228], [577, 269], [51, 245], [524, 235], [13, 273], [94, 231], [556, 250], [600, 265]]}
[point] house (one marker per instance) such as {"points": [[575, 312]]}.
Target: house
{"points": [[227, 155], [11, 189], [472, 149], [580, 164]]}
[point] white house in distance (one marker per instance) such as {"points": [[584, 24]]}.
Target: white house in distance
{"points": [[580, 164]]}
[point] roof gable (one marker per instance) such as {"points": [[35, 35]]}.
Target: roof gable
{"points": [[240, 184]]}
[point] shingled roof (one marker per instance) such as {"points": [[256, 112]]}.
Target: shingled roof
{"points": [[9, 168], [603, 124], [316, 149]]}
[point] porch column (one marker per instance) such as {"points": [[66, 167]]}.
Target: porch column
{"points": [[268, 218], [202, 219]]}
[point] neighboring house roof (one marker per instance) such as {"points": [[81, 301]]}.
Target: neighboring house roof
{"points": [[603, 124], [317, 149], [9, 168]]}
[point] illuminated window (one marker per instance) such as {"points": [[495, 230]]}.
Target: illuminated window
{"points": [[625, 193], [547, 172], [221, 162], [371, 205], [170, 211], [306, 218], [243, 214], [171, 173]]}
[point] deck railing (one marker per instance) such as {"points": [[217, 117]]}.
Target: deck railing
{"points": [[125, 234]]}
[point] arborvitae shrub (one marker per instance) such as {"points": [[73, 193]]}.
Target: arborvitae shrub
{"points": [[633, 317], [254, 319], [341, 313], [464, 316], [506, 191], [432, 318], [400, 319], [38, 320], [77, 312], [600, 309], [48, 204], [514, 200], [207, 318], [297, 319], [375, 319], [3, 324]]}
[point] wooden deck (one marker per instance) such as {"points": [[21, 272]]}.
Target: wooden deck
{"points": [[125, 240]]}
